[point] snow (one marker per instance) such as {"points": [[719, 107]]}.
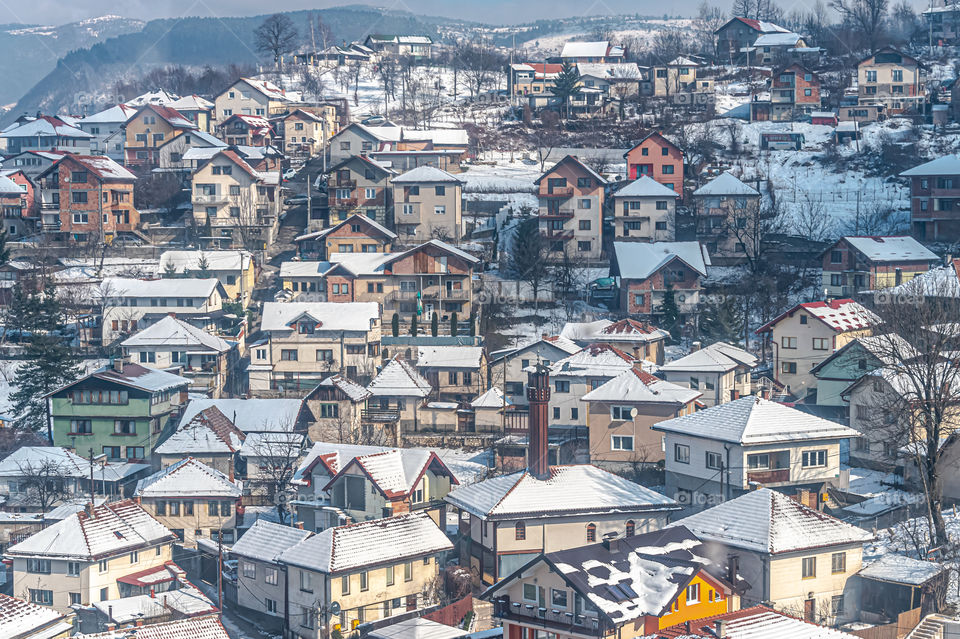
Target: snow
{"points": [[646, 186], [596, 360], [449, 356], [633, 386], [171, 333], [892, 249], [188, 478], [45, 125], [902, 570], [176, 288], [726, 184], [416, 628], [182, 261], [251, 415], [208, 627], [717, 357], [492, 398], [585, 49], [423, 174], [19, 617], [266, 541], [656, 585], [208, 432], [354, 391], [638, 261], [136, 376], [328, 316], [399, 379]]}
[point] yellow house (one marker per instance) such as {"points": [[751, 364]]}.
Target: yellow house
{"points": [[196, 109], [236, 270], [148, 129], [248, 96]]}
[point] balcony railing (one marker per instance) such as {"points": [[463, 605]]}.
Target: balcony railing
{"points": [[549, 618], [345, 184], [430, 293], [557, 191], [558, 213], [769, 476], [558, 234], [380, 415], [343, 202], [209, 199]]}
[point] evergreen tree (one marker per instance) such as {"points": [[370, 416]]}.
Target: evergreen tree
{"points": [[413, 325], [203, 268], [528, 257], [454, 320], [566, 86], [4, 250], [670, 313], [435, 324], [721, 321], [395, 324], [473, 323]]}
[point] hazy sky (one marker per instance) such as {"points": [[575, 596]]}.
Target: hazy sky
{"points": [[493, 11]]}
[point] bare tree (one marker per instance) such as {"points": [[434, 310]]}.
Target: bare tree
{"points": [[277, 457], [709, 19], [868, 17], [276, 36], [45, 482]]}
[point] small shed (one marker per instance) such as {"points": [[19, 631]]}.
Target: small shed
{"points": [[894, 584], [846, 131], [828, 118]]}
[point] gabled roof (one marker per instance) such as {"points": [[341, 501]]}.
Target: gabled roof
{"points": [[31, 459], [645, 186], [357, 218], [760, 26], [354, 391], [117, 113], [449, 356], [569, 491], [654, 135], [188, 478], [399, 379], [726, 184], [630, 330], [428, 174], [135, 376], [395, 472], [192, 628], [889, 49], [640, 260], [333, 457], [900, 248], [207, 432], [181, 287], [171, 116], [45, 125], [265, 88], [840, 315], [757, 622], [100, 165], [788, 39], [170, 333], [257, 415], [634, 386], [326, 316], [767, 521], [389, 540], [627, 71], [234, 157], [191, 103], [752, 421], [182, 261], [367, 162], [946, 165], [492, 398], [266, 541], [572, 159], [437, 244], [9, 187], [718, 357], [595, 360], [112, 529], [20, 619]]}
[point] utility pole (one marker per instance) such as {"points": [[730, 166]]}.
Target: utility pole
{"points": [[220, 564], [91, 478]]}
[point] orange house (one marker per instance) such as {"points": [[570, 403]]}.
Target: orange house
{"points": [[659, 158]]}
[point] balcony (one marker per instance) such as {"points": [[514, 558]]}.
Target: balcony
{"points": [[558, 234], [209, 199], [775, 476], [380, 415], [550, 619], [344, 184], [556, 191], [50, 206], [430, 293], [558, 214], [349, 202]]}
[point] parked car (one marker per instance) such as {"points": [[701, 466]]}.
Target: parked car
{"points": [[289, 174], [296, 200]]}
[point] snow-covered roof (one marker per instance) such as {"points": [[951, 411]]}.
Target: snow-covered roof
{"points": [[449, 356], [840, 315], [180, 261], [583, 331], [354, 391], [118, 113], [333, 456], [173, 333], [159, 96], [757, 622], [397, 471], [32, 458], [569, 491], [399, 379], [645, 186], [595, 360], [207, 432], [259, 415], [267, 88], [191, 103], [900, 569], [113, 528], [942, 281], [635, 386], [610, 71], [753, 421], [492, 398], [188, 478], [788, 39], [585, 49], [630, 331], [266, 541], [767, 521], [305, 268], [327, 316], [640, 260], [726, 184], [9, 187], [946, 165], [192, 628], [179, 287], [901, 248], [718, 357], [185, 601], [136, 376], [100, 165], [19, 618], [369, 543], [277, 445], [427, 174], [417, 628], [45, 125]]}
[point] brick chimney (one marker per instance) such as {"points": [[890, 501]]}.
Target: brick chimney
{"points": [[538, 395]]}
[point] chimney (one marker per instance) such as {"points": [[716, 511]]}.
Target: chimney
{"points": [[538, 396], [695, 347], [118, 364], [298, 525], [153, 593], [611, 541], [139, 623], [88, 508], [111, 627], [720, 628]]}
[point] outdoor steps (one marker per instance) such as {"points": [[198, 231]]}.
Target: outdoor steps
{"points": [[932, 627]]}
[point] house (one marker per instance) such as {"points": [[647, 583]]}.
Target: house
{"points": [[620, 413], [618, 587], [506, 368], [372, 570], [240, 204], [526, 78], [657, 157], [45, 133], [246, 130], [728, 214], [183, 153], [356, 234], [737, 36], [793, 557], [855, 264], [599, 51], [106, 127], [427, 204], [360, 139], [400, 45], [489, 411], [647, 271], [359, 185], [720, 371], [794, 90], [893, 584], [267, 456], [644, 211], [131, 304], [893, 79], [196, 109], [575, 375], [309, 340], [571, 197], [723, 451], [755, 622], [255, 415], [846, 365], [261, 577], [773, 48], [32, 163], [935, 199], [21, 619], [247, 96], [456, 373], [943, 22], [235, 270], [93, 199], [206, 627], [208, 437], [644, 342], [862, 114], [146, 131], [613, 80], [337, 405], [81, 559], [396, 395], [807, 334], [304, 133], [14, 207], [119, 410], [680, 75], [208, 361]]}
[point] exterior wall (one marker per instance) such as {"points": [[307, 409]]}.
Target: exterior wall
{"points": [[227, 202], [108, 138], [254, 590], [717, 388], [647, 219], [91, 209], [444, 281], [208, 371], [661, 161], [456, 384], [846, 271], [349, 142], [236, 131], [798, 87], [310, 368], [670, 80], [571, 215], [732, 37], [298, 130], [935, 207], [644, 297], [200, 524], [145, 133], [508, 375], [347, 240], [894, 85], [122, 316], [789, 589], [415, 214], [241, 99], [357, 189], [717, 217], [647, 444]]}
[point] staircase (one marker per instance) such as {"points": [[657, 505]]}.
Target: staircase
{"points": [[932, 627]]}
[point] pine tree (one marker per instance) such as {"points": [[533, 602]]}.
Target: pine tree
{"points": [[413, 325], [395, 324], [566, 86], [473, 323], [721, 321], [435, 324], [203, 267], [670, 313], [528, 258], [454, 320]]}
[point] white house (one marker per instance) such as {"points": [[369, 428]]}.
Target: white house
{"points": [[130, 304], [720, 371]]}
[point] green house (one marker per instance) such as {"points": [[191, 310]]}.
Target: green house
{"points": [[120, 410]]}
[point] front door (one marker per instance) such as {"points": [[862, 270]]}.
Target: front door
{"points": [[809, 610]]}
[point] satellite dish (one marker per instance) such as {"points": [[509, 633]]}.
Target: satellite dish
{"points": [[334, 608], [634, 412]]}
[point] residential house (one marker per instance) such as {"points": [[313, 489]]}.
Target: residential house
{"points": [[650, 581], [304, 133], [356, 234], [337, 405], [756, 622], [396, 395], [724, 451], [594, 52], [208, 361], [616, 81], [32, 163], [855, 264], [439, 147], [846, 365], [372, 570], [106, 127], [359, 185], [620, 413], [943, 22], [644, 211], [648, 271], [240, 204], [571, 196], [427, 204], [456, 373], [207, 627], [728, 214], [575, 375], [657, 157], [267, 455], [777, 48], [721, 372], [400, 45], [247, 96], [935, 199], [81, 559], [307, 341], [193, 500], [794, 90], [680, 75], [416, 153], [196, 109], [14, 208], [21, 619], [531, 78], [45, 133], [644, 342], [257, 415], [795, 558], [807, 334], [261, 577], [737, 36], [489, 411], [184, 153], [893, 79], [208, 437], [506, 368], [88, 198], [119, 410], [862, 114], [148, 129], [235, 270], [246, 130]]}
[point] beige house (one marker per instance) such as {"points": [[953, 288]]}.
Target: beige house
{"points": [[78, 561], [372, 570], [620, 413], [456, 373], [680, 75], [427, 204], [720, 372], [247, 96], [728, 215], [507, 366], [208, 437], [304, 133], [798, 559], [307, 341], [337, 405], [807, 334], [193, 500], [574, 376], [891, 79], [236, 270], [645, 211], [396, 396], [570, 211], [359, 185]]}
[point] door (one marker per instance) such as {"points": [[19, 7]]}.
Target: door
{"points": [[809, 609], [428, 311]]}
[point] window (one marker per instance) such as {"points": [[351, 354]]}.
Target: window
{"points": [[809, 569], [408, 571], [558, 598], [271, 576], [134, 557], [249, 570], [345, 585], [584, 225], [759, 461], [78, 197], [695, 383], [820, 343], [174, 508], [73, 568], [836, 605], [814, 458], [591, 533], [306, 617], [520, 531], [838, 563], [75, 599], [390, 577], [440, 210], [584, 183], [661, 205], [556, 412], [271, 605], [529, 592], [369, 193], [631, 528], [788, 368], [42, 597], [621, 413], [621, 442], [124, 427], [324, 355], [584, 246], [562, 386], [574, 413], [81, 427], [288, 354], [693, 593], [225, 507], [713, 460], [364, 583], [38, 566], [788, 342], [681, 453], [583, 203], [104, 565]]}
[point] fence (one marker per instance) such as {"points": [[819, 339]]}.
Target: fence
{"points": [[453, 614], [906, 621]]}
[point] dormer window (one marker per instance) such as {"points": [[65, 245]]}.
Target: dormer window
{"points": [[306, 328]]}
